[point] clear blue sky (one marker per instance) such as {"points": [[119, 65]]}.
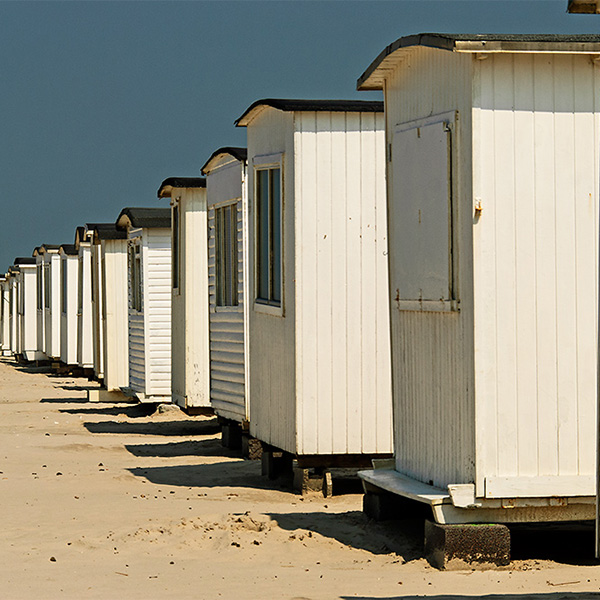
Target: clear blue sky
{"points": [[100, 101]]}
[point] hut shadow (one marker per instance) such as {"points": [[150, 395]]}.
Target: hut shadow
{"points": [[47, 370], [354, 529], [158, 428], [234, 474], [525, 596], [132, 411], [565, 543], [79, 388], [82, 400], [210, 447]]}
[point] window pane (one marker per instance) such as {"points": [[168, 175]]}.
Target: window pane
{"points": [[175, 247], [219, 254], [234, 255], [276, 235], [262, 234], [64, 285]]}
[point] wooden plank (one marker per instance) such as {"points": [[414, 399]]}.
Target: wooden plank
{"points": [[540, 486]]}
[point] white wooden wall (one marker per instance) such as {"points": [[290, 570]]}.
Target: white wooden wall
{"points": [[115, 313], [52, 314], [536, 132], [28, 325], [5, 325], [85, 342], [342, 342], [228, 364], [13, 314], [433, 381], [68, 319], [19, 312], [150, 329], [97, 296], [190, 344], [272, 366], [334, 395], [41, 330]]}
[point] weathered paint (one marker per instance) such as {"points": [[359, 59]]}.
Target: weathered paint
{"points": [[320, 378]]}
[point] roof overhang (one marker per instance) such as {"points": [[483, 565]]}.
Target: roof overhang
{"points": [[168, 185], [589, 7], [237, 154], [288, 105], [389, 59]]}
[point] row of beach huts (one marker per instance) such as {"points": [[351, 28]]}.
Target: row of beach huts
{"points": [[408, 287]]}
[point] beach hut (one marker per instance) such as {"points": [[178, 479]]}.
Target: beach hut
{"points": [[69, 275], [12, 309], [27, 342], [149, 276], [227, 204], [319, 364], [110, 309], [190, 383], [48, 316], [493, 214], [4, 319], [85, 348]]}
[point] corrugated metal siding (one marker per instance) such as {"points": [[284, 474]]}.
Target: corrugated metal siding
{"points": [[271, 339], [432, 363], [344, 401], [537, 133], [227, 345]]}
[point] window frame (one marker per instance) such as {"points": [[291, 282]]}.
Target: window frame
{"points": [[47, 282], [269, 305], [64, 285], [135, 280], [227, 295]]}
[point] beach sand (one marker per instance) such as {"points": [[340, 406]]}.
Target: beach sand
{"points": [[106, 501]]}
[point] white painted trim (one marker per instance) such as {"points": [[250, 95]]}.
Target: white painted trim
{"points": [[268, 309], [537, 487]]}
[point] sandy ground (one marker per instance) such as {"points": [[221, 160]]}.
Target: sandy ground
{"points": [[104, 501]]}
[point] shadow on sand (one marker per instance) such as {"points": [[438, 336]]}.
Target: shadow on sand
{"points": [[82, 400], [127, 410], [174, 428], [210, 447]]}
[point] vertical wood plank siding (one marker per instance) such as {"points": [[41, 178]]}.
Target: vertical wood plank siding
{"points": [[115, 313], [227, 335], [68, 319], [433, 387], [85, 349], [537, 135], [190, 360], [52, 313], [344, 380]]}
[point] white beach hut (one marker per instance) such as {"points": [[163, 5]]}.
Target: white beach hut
{"points": [[319, 364], [69, 275], [4, 316], [493, 213], [48, 316], [27, 342], [110, 308], [85, 348], [149, 274], [227, 204], [39, 293], [190, 384], [12, 309]]}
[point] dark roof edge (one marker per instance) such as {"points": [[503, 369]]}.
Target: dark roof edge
{"points": [[238, 153], [290, 105], [141, 217], [106, 231], [447, 41], [179, 182], [24, 260], [69, 249]]}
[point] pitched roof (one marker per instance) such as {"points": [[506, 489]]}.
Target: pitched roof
{"points": [[145, 217], [240, 154], [308, 105], [106, 231], [69, 249], [164, 191], [24, 260], [371, 79]]}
